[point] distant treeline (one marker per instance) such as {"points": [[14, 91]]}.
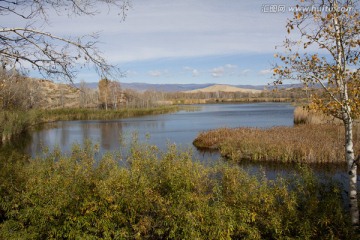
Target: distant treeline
{"points": [[23, 93], [275, 95]]}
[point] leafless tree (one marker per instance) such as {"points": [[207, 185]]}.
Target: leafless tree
{"points": [[17, 91], [55, 57]]}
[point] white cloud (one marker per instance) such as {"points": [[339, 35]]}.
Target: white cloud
{"points": [[266, 72], [194, 72], [159, 73], [196, 28], [155, 73], [245, 72], [231, 66], [162, 29], [227, 69], [131, 73], [218, 72]]}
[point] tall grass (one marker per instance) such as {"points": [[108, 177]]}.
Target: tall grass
{"points": [[303, 143], [101, 114], [305, 116], [161, 195], [14, 123]]}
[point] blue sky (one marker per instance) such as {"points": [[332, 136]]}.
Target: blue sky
{"points": [[187, 41]]}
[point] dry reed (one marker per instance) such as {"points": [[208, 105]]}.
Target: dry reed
{"points": [[302, 143], [305, 116]]}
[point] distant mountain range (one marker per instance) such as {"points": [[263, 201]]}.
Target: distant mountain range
{"points": [[186, 87]]}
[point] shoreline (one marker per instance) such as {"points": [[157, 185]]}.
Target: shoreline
{"points": [[15, 123]]}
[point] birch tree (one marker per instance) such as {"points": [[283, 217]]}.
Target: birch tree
{"points": [[29, 46], [327, 55]]}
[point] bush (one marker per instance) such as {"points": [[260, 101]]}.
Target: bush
{"points": [[161, 195]]}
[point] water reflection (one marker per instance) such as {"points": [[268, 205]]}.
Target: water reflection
{"points": [[179, 128]]}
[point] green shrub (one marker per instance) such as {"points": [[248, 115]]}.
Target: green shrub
{"points": [[161, 195]]}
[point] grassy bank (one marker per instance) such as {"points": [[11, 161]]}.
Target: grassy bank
{"points": [[14, 123], [101, 114], [229, 100], [161, 196], [302, 143]]}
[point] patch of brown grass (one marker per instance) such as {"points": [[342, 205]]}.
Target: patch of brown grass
{"points": [[305, 116], [302, 143]]}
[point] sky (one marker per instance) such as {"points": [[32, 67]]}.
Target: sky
{"points": [[187, 41]]}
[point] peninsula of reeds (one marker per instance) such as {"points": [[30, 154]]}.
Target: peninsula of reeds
{"points": [[303, 143]]}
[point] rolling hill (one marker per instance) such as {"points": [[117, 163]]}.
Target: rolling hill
{"points": [[224, 88]]}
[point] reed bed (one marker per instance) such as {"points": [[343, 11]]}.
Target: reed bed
{"points": [[302, 143], [101, 114], [15, 123], [305, 116]]}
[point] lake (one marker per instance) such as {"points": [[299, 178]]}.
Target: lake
{"points": [[179, 128]]}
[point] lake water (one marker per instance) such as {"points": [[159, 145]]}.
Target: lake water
{"points": [[179, 128]]}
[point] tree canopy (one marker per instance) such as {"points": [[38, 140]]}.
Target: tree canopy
{"points": [[326, 55]]}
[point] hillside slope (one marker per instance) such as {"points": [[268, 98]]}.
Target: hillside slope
{"points": [[223, 88]]}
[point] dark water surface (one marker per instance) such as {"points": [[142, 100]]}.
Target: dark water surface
{"points": [[179, 128]]}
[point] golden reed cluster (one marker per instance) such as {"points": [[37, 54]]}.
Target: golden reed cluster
{"points": [[303, 143]]}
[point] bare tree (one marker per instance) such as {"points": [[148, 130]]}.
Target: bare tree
{"points": [[115, 92], [83, 94], [56, 57], [17, 91], [331, 28]]}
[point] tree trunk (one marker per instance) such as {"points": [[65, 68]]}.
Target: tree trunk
{"points": [[352, 171], [346, 117]]}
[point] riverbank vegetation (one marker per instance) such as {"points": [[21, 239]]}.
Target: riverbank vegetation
{"points": [[267, 95], [16, 122], [161, 195], [315, 138], [302, 143], [303, 115]]}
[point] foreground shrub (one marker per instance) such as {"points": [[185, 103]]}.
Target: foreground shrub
{"points": [[162, 196]]}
